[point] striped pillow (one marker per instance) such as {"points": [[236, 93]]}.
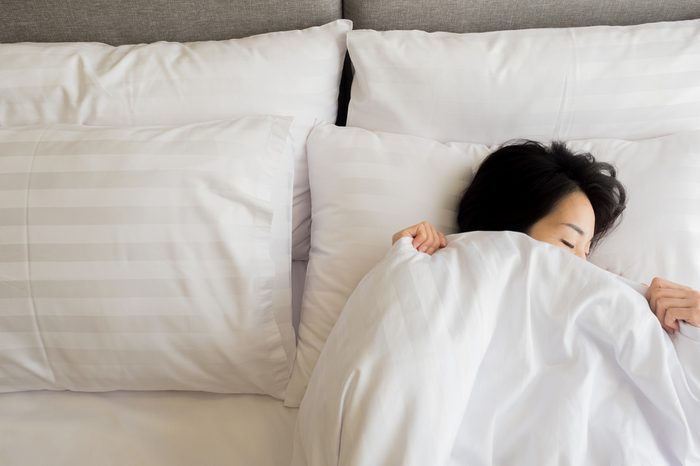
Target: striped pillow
{"points": [[146, 258], [628, 82], [293, 73]]}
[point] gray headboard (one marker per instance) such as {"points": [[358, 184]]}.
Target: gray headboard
{"points": [[494, 15], [135, 21]]}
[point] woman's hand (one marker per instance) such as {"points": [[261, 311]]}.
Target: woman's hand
{"points": [[425, 237], [672, 302]]}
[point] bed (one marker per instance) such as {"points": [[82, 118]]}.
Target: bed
{"points": [[183, 414]]}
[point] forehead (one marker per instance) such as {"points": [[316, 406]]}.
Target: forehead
{"points": [[575, 203], [574, 209]]}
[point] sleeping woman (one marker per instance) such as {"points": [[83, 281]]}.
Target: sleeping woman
{"points": [[553, 195]]}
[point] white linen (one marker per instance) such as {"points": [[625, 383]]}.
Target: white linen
{"points": [[294, 73], [627, 82], [499, 350], [147, 258], [144, 429], [298, 282], [365, 186]]}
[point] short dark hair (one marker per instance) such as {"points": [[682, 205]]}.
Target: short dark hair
{"points": [[522, 181]]}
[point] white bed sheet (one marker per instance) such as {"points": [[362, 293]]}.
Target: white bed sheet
{"points": [[148, 428], [144, 429]]}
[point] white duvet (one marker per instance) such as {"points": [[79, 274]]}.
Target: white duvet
{"points": [[500, 350]]}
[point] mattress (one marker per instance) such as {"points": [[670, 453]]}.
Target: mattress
{"points": [[148, 428], [144, 429]]}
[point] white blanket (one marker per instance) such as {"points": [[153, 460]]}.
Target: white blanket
{"points": [[499, 350]]}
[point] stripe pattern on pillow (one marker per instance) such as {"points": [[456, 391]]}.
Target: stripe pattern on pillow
{"points": [[295, 73], [146, 258]]}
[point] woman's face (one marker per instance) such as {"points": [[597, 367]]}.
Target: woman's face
{"points": [[570, 225]]}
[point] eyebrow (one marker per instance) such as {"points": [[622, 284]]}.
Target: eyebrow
{"points": [[576, 228]]}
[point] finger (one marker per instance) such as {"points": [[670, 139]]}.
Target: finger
{"points": [[670, 293], [662, 308], [429, 240], [659, 282], [693, 317], [434, 244], [654, 294], [661, 315], [439, 238], [665, 302], [674, 314], [420, 237]]}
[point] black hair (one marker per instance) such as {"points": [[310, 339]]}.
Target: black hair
{"points": [[522, 181]]}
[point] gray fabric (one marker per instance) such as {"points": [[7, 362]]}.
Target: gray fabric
{"points": [[135, 21], [492, 15]]}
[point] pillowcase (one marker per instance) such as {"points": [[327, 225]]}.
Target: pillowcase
{"points": [[627, 82], [293, 73], [367, 185], [146, 258], [659, 231]]}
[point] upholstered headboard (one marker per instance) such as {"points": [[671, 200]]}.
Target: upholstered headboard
{"points": [[136, 21], [493, 15]]}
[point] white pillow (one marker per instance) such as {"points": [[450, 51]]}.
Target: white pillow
{"points": [[283, 73], [627, 82], [660, 228], [146, 258], [366, 186]]}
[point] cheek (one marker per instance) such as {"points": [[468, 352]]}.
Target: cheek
{"points": [[540, 235], [543, 234]]}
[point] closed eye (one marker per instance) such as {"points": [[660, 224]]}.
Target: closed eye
{"points": [[567, 244]]}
